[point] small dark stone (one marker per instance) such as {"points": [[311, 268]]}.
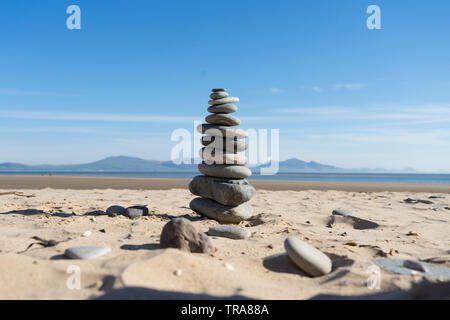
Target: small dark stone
{"points": [[180, 233], [114, 211]]}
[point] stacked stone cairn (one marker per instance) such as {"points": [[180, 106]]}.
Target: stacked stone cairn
{"points": [[223, 189]]}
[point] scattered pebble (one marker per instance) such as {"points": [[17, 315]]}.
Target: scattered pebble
{"points": [[309, 259], [114, 211], [178, 272], [229, 231], [89, 252], [87, 233], [136, 212], [180, 233], [411, 233]]}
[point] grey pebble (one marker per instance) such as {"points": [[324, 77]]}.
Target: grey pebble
{"points": [[226, 214], [113, 211], [136, 212], [229, 192], [223, 108], [228, 231], [225, 171], [309, 259], [88, 252], [218, 95], [223, 100]]}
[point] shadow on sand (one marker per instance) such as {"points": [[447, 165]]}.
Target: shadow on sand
{"points": [[283, 264], [139, 293]]}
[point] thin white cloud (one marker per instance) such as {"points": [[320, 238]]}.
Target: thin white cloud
{"points": [[20, 92], [349, 86], [275, 90], [313, 88], [110, 117]]}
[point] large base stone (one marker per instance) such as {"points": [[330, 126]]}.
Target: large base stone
{"points": [[226, 214], [229, 192]]}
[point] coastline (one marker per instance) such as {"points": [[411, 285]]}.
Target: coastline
{"points": [[95, 182]]}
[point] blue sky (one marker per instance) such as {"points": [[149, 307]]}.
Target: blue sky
{"points": [[340, 94]]}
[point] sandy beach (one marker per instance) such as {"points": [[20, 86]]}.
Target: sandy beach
{"points": [[64, 208]]}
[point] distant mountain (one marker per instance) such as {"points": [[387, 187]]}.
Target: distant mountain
{"points": [[296, 165], [132, 164], [111, 164]]}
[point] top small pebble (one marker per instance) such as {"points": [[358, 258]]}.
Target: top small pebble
{"points": [[218, 89]]}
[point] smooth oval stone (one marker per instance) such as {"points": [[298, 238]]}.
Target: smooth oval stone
{"points": [[227, 231], [218, 89], [223, 108], [223, 119], [214, 156], [229, 192], [89, 252], [227, 145], [223, 100], [226, 214], [221, 131], [224, 171], [113, 211], [309, 259], [218, 95]]}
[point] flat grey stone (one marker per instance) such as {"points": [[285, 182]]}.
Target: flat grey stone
{"points": [[89, 252], [180, 233], [409, 200], [218, 95], [221, 131], [309, 259], [223, 119], [218, 89], [113, 211], [223, 100], [228, 231], [136, 212], [397, 266], [227, 214], [223, 108], [347, 216], [227, 145], [229, 192], [224, 171]]}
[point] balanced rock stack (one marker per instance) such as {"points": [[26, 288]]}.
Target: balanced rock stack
{"points": [[224, 192]]}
